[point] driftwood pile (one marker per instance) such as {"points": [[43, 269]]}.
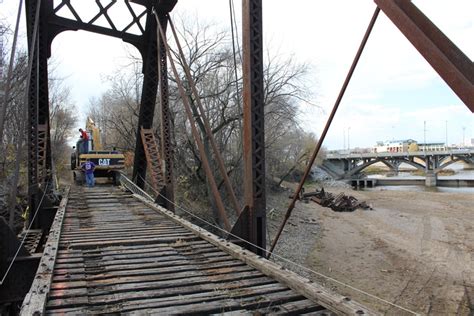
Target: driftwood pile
{"points": [[338, 203]]}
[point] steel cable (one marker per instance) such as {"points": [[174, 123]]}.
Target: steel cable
{"points": [[9, 75], [232, 21], [30, 66], [192, 121], [265, 250], [24, 237]]}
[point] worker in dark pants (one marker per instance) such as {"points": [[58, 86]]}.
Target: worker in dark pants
{"points": [[85, 141], [88, 167]]}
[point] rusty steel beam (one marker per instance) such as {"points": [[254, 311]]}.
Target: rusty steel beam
{"points": [[205, 161], [456, 69], [167, 150], [326, 129], [40, 37], [253, 125], [207, 126], [148, 99]]}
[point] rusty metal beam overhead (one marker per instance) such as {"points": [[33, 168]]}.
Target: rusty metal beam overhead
{"points": [[456, 69], [51, 22]]}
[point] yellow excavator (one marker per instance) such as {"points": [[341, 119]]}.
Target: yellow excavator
{"points": [[107, 162]]}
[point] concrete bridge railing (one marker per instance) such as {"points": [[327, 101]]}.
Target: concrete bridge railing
{"points": [[346, 166]]}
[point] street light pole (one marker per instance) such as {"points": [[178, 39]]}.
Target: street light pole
{"points": [[424, 135], [348, 139], [463, 136], [344, 137], [447, 135]]}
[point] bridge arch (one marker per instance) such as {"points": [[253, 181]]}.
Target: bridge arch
{"points": [[385, 161], [361, 167], [453, 160], [417, 165]]}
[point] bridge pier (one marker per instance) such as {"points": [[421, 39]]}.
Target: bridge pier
{"points": [[431, 178]]}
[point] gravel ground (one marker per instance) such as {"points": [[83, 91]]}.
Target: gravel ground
{"points": [[299, 234], [415, 249]]}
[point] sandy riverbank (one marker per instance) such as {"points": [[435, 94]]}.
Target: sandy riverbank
{"points": [[415, 249]]}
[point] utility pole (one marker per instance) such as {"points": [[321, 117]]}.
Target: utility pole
{"points": [[463, 136], [348, 139], [424, 135]]}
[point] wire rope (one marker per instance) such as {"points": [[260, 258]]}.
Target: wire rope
{"points": [[280, 257], [24, 237], [9, 74]]}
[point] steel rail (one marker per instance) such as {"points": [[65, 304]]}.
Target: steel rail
{"points": [[205, 161], [207, 126], [326, 129]]}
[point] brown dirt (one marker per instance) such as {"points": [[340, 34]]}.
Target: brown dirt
{"points": [[415, 249]]}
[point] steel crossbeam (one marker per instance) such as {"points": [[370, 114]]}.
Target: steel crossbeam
{"points": [[51, 22]]}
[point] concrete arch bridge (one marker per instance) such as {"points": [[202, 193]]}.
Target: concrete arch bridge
{"points": [[347, 166]]}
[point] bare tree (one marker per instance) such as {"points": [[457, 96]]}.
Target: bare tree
{"points": [[212, 67], [14, 137], [14, 134], [116, 111], [209, 56], [62, 119]]}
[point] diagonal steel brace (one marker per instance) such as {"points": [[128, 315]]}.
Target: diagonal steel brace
{"points": [[456, 69]]}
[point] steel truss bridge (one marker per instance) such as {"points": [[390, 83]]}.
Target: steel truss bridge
{"points": [[346, 166], [116, 250]]}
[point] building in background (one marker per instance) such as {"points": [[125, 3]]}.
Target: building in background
{"points": [[395, 146], [432, 147]]}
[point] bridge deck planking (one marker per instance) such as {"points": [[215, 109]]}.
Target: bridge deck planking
{"points": [[122, 256]]}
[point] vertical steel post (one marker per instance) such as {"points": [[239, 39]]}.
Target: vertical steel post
{"points": [[148, 99], [39, 150], [253, 125], [45, 176], [166, 145], [155, 72], [32, 133]]}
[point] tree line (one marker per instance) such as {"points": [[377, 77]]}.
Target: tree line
{"points": [[13, 144], [218, 77]]}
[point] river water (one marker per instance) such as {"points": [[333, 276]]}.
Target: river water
{"points": [[461, 173]]}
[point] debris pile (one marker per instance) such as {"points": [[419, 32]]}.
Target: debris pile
{"points": [[338, 203]]}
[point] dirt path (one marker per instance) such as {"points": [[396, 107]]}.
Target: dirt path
{"points": [[415, 249]]}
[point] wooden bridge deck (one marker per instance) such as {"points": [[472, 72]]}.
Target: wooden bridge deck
{"points": [[115, 254]]}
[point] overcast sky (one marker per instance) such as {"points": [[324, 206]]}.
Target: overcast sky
{"points": [[394, 91]]}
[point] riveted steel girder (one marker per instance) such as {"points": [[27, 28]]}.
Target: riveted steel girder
{"points": [[253, 126], [51, 23]]}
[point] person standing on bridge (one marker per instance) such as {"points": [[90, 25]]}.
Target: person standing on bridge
{"points": [[88, 167], [85, 141]]}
